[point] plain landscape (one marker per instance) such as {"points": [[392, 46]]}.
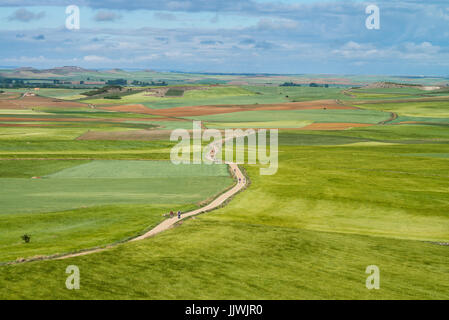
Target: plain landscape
{"points": [[362, 180]]}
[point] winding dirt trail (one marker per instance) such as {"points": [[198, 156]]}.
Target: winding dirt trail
{"points": [[169, 223], [241, 183], [166, 224], [393, 116]]}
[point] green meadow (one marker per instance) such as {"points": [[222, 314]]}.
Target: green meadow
{"points": [[228, 95], [340, 201], [69, 198], [432, 109], [328, 213], [319, 115]]}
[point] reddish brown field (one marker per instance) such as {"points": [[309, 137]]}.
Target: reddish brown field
{"points": [[14, 119], [220, 109], [31, 102], [147, 135], [134, 108], [9, 104], [23, 125], [9, 95]]}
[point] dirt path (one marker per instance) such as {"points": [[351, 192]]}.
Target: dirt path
{"points": [[393, 116], [166, 224], [241, 183], [169, 223]]}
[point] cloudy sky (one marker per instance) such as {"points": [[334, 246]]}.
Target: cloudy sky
{"points": [[232, 36]]}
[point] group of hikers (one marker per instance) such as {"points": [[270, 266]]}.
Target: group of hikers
{"points": [[172, 214], [240, 179]]}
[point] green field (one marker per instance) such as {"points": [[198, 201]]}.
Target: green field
{"points": [[340, 201], [313, 221], [190, 97], [110, 182], [259, 124], [64, 94], [321, 116], [229, 95], [432, 109], [92, 187]]}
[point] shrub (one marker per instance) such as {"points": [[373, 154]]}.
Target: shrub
{"points": [[26, 238], [174, 92], [114, 96]]}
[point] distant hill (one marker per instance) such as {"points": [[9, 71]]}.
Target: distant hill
{"points": [[29, 72], [115, 70], [66, 70], [389, 85]]}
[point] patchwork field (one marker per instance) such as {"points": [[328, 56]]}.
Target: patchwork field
{"points": [[362, 180]]}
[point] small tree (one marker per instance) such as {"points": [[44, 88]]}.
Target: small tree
{"points": [[26, 238]]}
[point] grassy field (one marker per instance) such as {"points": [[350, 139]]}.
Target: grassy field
{"points": [[259, 124], [229, 95], [138, 189], [311, 236], [111, 182], [340, 201], [190, 97], [66, 231], [64, 94], [395, 93], [218, 259], [433, 109], [320, 115], [405, 134]]}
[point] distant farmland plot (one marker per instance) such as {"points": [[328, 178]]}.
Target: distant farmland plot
{"points": [[432, 109], [139, 169], [209, 96], [318, 115], [255, 124], [189, 95], [65, 94], [387, 93], [113, 182]]}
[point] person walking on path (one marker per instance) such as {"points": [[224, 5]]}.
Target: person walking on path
{"points": [[171, 214], [179, 214]]}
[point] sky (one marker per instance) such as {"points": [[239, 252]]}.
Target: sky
{"points": [[230, 36]]}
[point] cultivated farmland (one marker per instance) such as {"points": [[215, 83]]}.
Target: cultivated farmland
{"points": [[362, 180]]}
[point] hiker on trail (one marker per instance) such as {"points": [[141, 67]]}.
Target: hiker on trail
{"points": [[179, 214], [240, 180], [171, 214]]}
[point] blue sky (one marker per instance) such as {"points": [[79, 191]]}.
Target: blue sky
{"points": [[238, 36]]}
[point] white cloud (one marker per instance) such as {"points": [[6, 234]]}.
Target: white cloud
{"points": [[277, 24], [25, 59], [424, 47], [94, 58]]}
